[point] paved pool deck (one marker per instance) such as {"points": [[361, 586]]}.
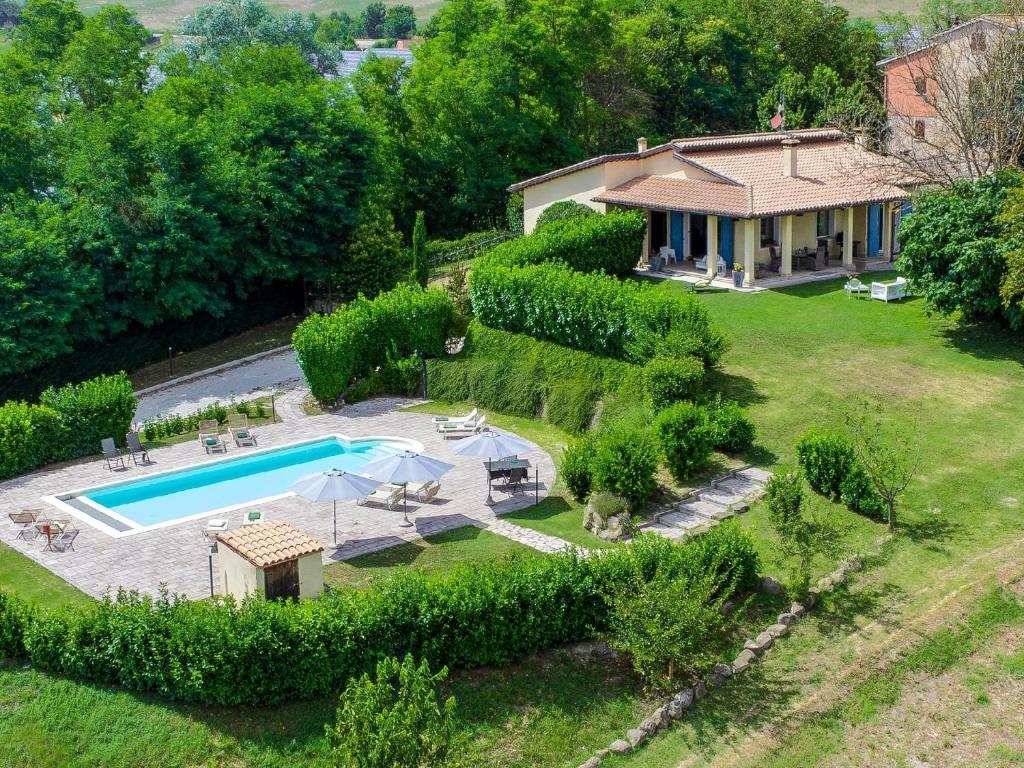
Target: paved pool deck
{"points": [[176, 556]]}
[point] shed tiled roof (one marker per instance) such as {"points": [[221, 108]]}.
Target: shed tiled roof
{"points": [[832, 172], [267, 544]]}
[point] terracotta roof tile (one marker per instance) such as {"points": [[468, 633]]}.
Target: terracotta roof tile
{"points": [[665, 193], [267, 544]]}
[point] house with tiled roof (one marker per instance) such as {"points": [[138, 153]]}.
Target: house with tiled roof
{"points": [[764, 203]]}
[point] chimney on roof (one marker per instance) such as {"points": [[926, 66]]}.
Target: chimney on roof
{"points": [[789, 157], [641, 144]]}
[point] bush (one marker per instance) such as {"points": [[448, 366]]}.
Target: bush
{"points": [[259, 651], [576, 468], [826, 458], [70, 422], [352, 342], [15, 616], [610, 243], [562, 210], [593, 313], [667, 379], [514, 374], [394, 719], [859, 494], [733, 431], [90, 411], [625, 462], [448, 251], [686, 437]]}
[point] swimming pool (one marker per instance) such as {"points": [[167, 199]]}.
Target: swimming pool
{"points": [[222, 485]]}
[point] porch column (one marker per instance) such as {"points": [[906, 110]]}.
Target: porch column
{"points": [[848, 239], [887, 231], [787, 245], [751, 235], [645, 256], [686, 237], [712, 241]]}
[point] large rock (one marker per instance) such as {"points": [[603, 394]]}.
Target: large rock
{"points": [[619, 747], [764, 641], [797, 610], [771, 586], [655, 721], [636, 736], [786, 618], [700, 690], [591, 763], [777, 630], [744, 660], [854, 564], [722, 669]]}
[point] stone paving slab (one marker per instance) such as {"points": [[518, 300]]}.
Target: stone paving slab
{"points": [[177, 555]]}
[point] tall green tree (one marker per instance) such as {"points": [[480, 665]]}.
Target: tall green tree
{"points": [[420, 265]]}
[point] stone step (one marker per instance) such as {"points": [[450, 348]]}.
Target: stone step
{"points": [[740, 486], [668, 531], [723, 498], [754, 473], [683, 518], [709, 510]]}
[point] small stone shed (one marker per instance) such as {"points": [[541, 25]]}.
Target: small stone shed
{"points": [[275, 559]]}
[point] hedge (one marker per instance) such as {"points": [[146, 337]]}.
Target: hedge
{"points": [[562, 210], [259, 651], [334, 350], [67, 423], [515, 374], [830, 463], [594, 313], [610, 243]]}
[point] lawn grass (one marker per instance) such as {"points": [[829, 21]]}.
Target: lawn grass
{"points": [[432, 555], [33, 582], [258, 339]]}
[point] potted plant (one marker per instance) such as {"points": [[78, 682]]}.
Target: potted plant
{"points": [[737, 276]]}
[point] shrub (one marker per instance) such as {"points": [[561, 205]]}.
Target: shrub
{"points": [[562, 210], [859, 494], [394, 719], [686, 437], [667, 379], [258, 651], [610, 243], [571, 404], [592, 312], [733, 431], [90, 411], [17, 438], [826, 458], [15, 616], [353, 341], [625, 461], [576, 468]]}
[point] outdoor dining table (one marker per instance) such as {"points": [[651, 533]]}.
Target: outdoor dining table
{"points": [[503, 467], [51, 528]]}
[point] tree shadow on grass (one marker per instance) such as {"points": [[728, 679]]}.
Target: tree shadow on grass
{"points": [[985, 342], [743, 390], [931, 531], [837, 612]]}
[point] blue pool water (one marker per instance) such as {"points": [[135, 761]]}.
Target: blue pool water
{"points": [[233, 481]]}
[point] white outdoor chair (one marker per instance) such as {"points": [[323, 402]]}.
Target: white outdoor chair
{"points": [[667, 253], [853, 285], [889, 291]]}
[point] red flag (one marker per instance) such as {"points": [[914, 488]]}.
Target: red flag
{"points": [[776, 121]]}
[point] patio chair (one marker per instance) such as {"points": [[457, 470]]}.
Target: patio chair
{"points": [[666, 254], [136, 448], [112, 454], [238, 426], [208, 428], [816, 261], [26, 518], [853, 285], [467, 430], [472, 416], [775, 264], [516, 477], [426, 492], [64, 540], [391, 495]]}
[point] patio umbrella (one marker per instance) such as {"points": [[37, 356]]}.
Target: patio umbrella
{"points": [[404, 468], [335, 485], [490, 445]]}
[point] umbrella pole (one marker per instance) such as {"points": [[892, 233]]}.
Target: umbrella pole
{"points": [[490, 501], [335, 522], [405, 505]]}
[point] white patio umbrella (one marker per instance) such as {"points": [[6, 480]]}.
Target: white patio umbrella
{"points": [[404, 468], [335, 485], [491, 445]]}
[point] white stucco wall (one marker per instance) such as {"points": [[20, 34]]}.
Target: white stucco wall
{"points": [[238, 577], [311, 576], [580, 187]]}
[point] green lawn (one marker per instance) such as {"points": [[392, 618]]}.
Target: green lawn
{"points": [[434, 554], [32, 582], [800, 357]]}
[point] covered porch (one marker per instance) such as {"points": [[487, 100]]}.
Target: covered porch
{"points": [[773, 250]]}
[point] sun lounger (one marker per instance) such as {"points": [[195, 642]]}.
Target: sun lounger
{"points": [[386, 494], [466, 430], [208, 428], [213, 442], [445, 422], [136, 448], [426, 492], [26, 519], [238, 426], [111, 454]]}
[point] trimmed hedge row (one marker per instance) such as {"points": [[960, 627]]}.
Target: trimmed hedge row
{"points": [[266, 651], [593, 312], [334, 350], [610, 243], [67, 423], [520, 376]]}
